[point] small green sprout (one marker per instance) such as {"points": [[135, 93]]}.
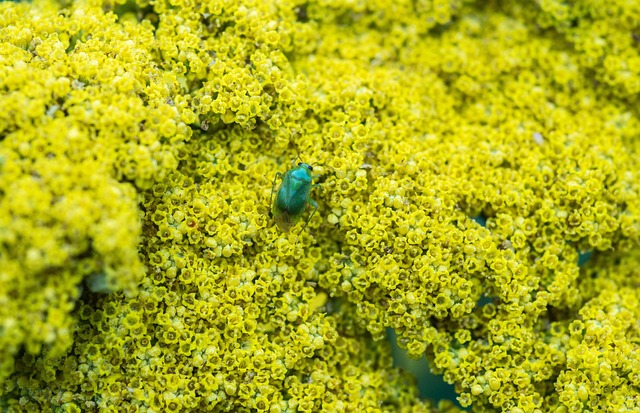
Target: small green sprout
{"points": [[293, 196]]}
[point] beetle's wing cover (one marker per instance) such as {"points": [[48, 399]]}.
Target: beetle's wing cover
{"points": [[291, 201], [283, 195], [300, 196], [293, 195], [283, 218]]}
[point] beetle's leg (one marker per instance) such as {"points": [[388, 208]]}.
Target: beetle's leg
{"points": [[273, 187], [314, 204]]}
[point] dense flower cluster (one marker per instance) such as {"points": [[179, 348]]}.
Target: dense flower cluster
{"points": [[470, 157]]}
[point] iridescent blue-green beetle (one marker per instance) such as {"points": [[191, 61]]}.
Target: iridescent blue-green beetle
{"points": [[293, 196]]}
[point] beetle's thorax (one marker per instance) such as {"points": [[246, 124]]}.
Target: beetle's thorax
{"points": [[301, 173]]}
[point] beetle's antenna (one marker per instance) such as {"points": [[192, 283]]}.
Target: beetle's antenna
{"points": [[297, 152]]}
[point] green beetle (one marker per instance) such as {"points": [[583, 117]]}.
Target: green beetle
{"points": [[293, 196]]}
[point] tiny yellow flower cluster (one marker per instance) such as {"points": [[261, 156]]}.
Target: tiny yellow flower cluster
{"points": [[547, 165], [468, 159], [218, 312], [602, 363], [75, 133], [605, 40]]}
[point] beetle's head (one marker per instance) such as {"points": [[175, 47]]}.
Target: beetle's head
{"points": [[305, 165]]}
